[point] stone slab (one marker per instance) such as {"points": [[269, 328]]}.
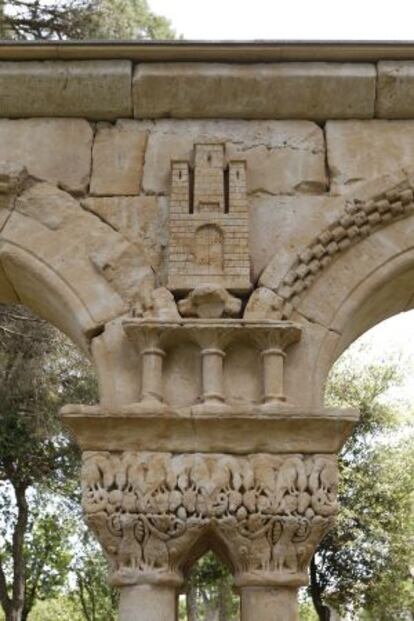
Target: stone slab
{"points": [[55, 150], [282, 157], [277, 431], [360, 151], [311, 90], [142, 220], [395, 90], [276, 219], [118, 158], [93, 89]]}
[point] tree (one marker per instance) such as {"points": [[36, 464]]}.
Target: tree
{"points": [[39, 371], [363, 564], [93, 595], [209, 594], [81, 19]]}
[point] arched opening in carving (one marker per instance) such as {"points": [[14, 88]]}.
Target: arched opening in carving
{"points": [[209, 249], [209, 589]]}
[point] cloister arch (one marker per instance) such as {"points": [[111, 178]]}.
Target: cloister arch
{"points": [[318, 248]]}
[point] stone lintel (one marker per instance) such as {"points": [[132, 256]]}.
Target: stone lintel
{"points": [[100, 89], [275, 429], [94, 89], [310, 90], [395, 90]]}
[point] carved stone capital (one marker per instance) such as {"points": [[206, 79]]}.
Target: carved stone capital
{"points": [[155, 513]]}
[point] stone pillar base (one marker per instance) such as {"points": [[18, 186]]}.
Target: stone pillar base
{"points": [[269, 604], [147, 602]]}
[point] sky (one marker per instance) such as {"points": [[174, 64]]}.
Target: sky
{"points": [[289, 19]]}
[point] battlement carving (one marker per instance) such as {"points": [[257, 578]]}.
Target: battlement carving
{"points": [[209, 229]]}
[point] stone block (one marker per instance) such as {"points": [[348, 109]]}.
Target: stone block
{"points": [[118, 158], [275, 219], [395, 90], [310, 90], [142, 220], [360, 151], [282, 157], [95, 89], [55, 150]]}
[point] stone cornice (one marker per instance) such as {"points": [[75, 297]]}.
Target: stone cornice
{"points": [[281, 429], [263, 80], [210, 51]]}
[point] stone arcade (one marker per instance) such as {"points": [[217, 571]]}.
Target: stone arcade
{"points": [[212, 224]]}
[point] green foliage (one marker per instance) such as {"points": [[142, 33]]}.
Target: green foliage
{"points": [[81, 19], [59, 609], [209, 592], [93, 595], [363, 564], [39, 371]]}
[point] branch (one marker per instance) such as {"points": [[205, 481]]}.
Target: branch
{"points": [[82, 598]]}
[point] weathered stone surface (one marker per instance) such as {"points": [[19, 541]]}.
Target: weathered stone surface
{"points": [[360, 151], [314, 91], [395, 90], [94, 89], [55, 150], [142, 220], [269, 604], [154, 603], [281, 156], [273, 219], [118, 158]]}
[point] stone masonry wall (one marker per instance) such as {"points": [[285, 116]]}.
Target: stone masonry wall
{"points": [[120, 172]]}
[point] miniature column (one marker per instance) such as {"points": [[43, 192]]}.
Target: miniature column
{"points": [[273, 363], [212, 374], [152, 360]]}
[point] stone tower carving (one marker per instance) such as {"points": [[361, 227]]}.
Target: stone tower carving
{"points": [[209, 235]]}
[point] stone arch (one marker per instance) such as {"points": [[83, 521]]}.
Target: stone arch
{"points": [[26, 280], [210, 540], [68, 266], [371, 282], [364, 282]]}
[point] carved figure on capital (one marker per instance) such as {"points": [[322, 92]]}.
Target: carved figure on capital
{"points": [[152, 510]]}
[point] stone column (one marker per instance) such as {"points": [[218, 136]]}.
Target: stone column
{"points": [[152, 358], [212, 375], [147, 602], [273, 363], [269, 604]]}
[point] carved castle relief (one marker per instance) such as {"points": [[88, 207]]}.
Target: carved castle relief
{"points": [[209, 231]]}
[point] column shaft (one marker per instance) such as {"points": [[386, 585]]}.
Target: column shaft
{"points": [[148, 602], [212, 370], [152, 359], [273, 363], [269, 604]]}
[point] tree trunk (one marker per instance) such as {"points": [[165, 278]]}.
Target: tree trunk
{"points": [[224, 600], [15, 612], [191, 602], [322, 611]]}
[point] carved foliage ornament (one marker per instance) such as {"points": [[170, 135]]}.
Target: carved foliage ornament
{"points": [[151, 511]]}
